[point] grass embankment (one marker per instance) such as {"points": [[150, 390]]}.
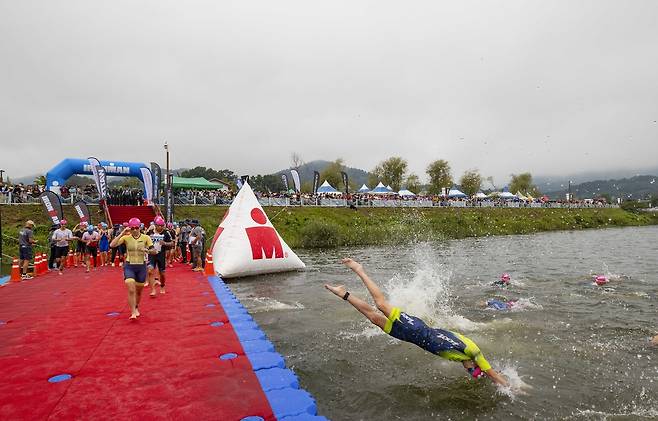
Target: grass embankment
{"points": [[331, 227]]}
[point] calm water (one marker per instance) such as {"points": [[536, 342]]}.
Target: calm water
{"points": [[574, 351]]}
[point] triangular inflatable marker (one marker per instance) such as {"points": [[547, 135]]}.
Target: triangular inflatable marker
{"points": [[247, 244]]}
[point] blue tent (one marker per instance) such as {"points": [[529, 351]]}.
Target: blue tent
{"points": [[380, 189], [326, 188], [364, 189], [454, 193]]}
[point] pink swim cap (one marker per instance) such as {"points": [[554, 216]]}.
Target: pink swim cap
{"points": [[170, 225], [125, 224], [62, 222], [159, 220], [601, 280], [134, 223], [505, 277]]}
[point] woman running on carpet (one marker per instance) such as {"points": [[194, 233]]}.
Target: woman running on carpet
{"points": [[450, 345], [134, 269]]}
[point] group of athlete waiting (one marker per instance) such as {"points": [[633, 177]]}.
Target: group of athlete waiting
{"points": [[144, 252], [149, 251]]}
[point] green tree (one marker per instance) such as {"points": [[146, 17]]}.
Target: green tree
{"points": [[40, 180], [391, 172], [413, 183], [523, 183], [607, 197], [471, 182], [267, 183], [440, 177], [209, 173], [331, 173]]}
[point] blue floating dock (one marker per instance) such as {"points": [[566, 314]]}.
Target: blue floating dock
{"points": [[280, 384]]}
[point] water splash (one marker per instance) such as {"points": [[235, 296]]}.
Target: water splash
{"points": [[523, 304], [264, 304], [516, 387], [425, 292]]}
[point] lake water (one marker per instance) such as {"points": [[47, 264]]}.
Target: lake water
{"points": [[572, 351]]}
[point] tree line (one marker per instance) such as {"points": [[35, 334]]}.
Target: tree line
{"points": [[393, 171]]}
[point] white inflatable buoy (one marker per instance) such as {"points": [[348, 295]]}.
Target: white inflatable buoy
{"points": [[247, 244]]}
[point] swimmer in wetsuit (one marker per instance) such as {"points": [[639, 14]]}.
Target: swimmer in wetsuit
{"points": [[495, 304], [450, 345]]}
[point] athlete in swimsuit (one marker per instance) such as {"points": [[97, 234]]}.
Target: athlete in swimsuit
{"points": [[134, 270], [446, 344]]}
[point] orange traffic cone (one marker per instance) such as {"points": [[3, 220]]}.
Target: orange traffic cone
{"points": [[44, 263], [15, 271], [210, 268], [37, 265]]}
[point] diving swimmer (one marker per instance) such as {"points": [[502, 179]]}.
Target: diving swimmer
{"points": [[450, 345]]}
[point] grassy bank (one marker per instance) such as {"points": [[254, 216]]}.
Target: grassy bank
{"points": [[329, 227]]}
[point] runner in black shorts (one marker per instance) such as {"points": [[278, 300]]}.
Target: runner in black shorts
{"points": [[134, 270], [162, 240]]}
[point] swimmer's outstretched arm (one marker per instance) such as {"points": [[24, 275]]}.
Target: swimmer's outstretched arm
{"points": [[496, 377]]}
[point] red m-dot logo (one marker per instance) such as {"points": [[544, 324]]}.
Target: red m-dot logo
{"points": [[264, 241]]}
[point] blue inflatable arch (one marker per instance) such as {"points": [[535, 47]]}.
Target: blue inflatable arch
{"points": [[56, 177]]}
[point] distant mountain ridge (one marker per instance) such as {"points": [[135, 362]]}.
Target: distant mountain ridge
{"points": [[637, 187], [356, 175]]}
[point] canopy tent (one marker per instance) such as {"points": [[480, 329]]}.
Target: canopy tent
{"points": [[380, 189], [520, 196], [406, 193], [195, 183], [389, 188], [480, 195], [456, 194], [364, 189], [326, 188], [529, 197]]}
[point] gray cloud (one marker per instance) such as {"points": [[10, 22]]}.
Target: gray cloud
{"points": [[509, 86]]}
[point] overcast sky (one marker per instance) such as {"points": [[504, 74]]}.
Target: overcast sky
{"points": [[550, 87]]}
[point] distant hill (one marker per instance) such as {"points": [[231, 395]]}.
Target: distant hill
{"points": [[357, 176], [637, 187]]}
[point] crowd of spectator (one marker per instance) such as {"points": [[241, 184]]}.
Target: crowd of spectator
{"points": [[131, 196], [20, 193], [125, 196]]}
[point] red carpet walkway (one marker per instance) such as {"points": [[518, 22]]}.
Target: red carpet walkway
{"points": [[163, 366]]}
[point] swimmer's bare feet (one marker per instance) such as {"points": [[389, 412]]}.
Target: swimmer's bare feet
{"points": [[338, 290], [137, 313], [162, 290], [152, 294], [133, 317], [352, 264]]}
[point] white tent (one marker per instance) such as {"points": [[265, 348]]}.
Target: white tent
{"points": [[326, 188], [389, 188], [406, 193], [364, 189], [480, 195], [380, 189], [454, 193]]}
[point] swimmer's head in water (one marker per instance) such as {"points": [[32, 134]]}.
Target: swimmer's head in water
{"points": [[505, 278], [601, 280], [476, 372]]}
